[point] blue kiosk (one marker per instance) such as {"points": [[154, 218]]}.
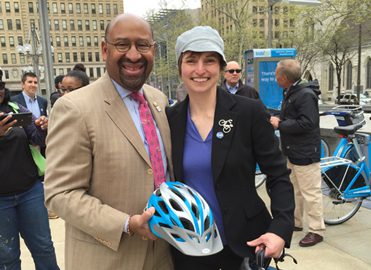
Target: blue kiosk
{"points": [[260, 66]]}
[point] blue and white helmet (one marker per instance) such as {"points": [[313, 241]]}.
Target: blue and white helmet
{"points": [[184, 219]]}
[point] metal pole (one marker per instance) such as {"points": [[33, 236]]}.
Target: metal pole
{"points": [[270, 22], [168, 68], [47, 49], [359, 63], [33, 52]]}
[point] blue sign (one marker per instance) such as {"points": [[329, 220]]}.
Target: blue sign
{"points": [[289, 52], [269, 91]]}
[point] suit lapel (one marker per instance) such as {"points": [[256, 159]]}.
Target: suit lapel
{"points": [[225, 121], [119, 114]]}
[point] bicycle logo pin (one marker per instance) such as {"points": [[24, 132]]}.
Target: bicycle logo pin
{"points": [[227, 125]]}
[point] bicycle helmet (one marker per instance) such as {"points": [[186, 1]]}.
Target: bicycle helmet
{"points": [[184, 219]]}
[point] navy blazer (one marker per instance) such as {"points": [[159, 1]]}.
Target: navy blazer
{"points": [[43, 103], [250, 140]]}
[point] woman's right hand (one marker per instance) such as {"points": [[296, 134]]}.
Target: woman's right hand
{"points": [[4, 128]]}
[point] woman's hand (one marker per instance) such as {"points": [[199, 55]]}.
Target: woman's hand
{"points": [[4, 127], [42, 122]]}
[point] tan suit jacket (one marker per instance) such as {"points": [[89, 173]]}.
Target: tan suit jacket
{"points": [[98, 173]]}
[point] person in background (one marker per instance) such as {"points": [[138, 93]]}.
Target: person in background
{"points": [[233, 83], [58, 92], [79, 66], [74, 79], [22, 209], [100, 180], [29, 98], [298, 124], [217, 139]]}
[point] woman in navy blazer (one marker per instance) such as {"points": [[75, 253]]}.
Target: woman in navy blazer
{"points": [[217, 139]]}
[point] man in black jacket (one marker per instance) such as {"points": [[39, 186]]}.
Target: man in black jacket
{"points": [[298, 124], [233, 84]]}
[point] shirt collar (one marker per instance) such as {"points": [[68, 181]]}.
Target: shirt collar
{"points": [[231, 87], [124, 93], [27, 97]]}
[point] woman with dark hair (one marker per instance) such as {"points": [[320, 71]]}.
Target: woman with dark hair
{"points": [[22, 209], [217, 140], [74, 79]]}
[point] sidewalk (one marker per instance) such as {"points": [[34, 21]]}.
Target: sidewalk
{"points": [[346, 246]]}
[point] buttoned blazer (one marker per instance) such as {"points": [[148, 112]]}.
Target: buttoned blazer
{"points": [[98, 173], [43, 103], [236, 149]]}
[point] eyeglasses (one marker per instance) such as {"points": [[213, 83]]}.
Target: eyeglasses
{"points": [[233, 70], [124, 45]]}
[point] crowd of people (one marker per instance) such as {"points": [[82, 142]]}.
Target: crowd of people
{"points": [[110, 144]]}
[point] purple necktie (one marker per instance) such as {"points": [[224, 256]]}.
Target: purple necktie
{"points": [[152, 139]]}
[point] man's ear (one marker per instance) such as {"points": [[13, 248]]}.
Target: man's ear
{"points": [[104, 49]]}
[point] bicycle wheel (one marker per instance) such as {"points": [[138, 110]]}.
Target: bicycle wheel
{"points": [[336, 208], [325, 149]]}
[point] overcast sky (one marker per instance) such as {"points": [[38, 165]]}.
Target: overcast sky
{"points": [[140, 7]]}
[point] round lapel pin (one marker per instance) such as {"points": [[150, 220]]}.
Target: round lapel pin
{"points": [[219, 135]]}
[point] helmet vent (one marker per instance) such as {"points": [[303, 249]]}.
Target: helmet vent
{"points": [[158, 192], [206, 223], [164, 225], [187, 224], [180, 195], [195, 211], [163, 207], [175, 205]]}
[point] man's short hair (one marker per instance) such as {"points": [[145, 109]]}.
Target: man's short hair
{"points": [[291, 69], [28, 74]]}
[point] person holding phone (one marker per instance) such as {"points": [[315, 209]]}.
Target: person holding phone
{"points": [[22, 209]]}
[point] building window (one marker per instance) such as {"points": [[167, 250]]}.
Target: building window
{"points": [[18, 25], [81, 41], [100, 8], [88, 41], [11, 41], [78, 8], [96, 44], [63, 8], [90, 57], [2, 42], [82, 56], [93, 9], [349, 76], [97, 56], [58, 41], [10, 24], [368, 73], [13, 58], [74, 55], [22, 59], [65, 41], [261, 23], [86, 9], [331, 77], [68, 59], [30, 7], [16, 7], [115, 9], [5, 58], [60, 58], [73, 41], [91, 72], [20, 40], [87, 25], [72, 25], [1, 24], [101, 25], [276, 22], [94, 24], [79, 25], [56, 25], [70, 8], [98, 72], [108, 8], [54, 7], [7, 7], [64, 24]]}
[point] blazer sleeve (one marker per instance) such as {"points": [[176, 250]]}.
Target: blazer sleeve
{"points": [[68, 176]]}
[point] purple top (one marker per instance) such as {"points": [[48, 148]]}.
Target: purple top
{"points": [[197, 170]]}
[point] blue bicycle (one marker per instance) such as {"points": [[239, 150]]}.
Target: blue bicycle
{"points": [[345, 175]]}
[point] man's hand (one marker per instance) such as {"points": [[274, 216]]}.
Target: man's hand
{"points": [[42, 122], [139, 224], [273, 244], [275, 121], [4, 128]]}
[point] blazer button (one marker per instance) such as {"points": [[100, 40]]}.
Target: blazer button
{"points": [[149, 171]]}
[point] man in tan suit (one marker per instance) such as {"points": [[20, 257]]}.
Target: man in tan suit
{"points": [[99, 174]]}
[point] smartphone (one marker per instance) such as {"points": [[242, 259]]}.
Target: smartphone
{"points": [[23, 119]]}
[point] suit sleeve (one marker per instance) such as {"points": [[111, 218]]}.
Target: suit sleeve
{"points": [[273, 164], [68, 175]]}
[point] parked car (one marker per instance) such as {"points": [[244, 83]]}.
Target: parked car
{"points": [[347, 99]]}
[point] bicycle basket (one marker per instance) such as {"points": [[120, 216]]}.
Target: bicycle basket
{"points": [[348, 115]]}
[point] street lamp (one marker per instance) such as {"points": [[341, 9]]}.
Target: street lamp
{"points": [[271, 3]]}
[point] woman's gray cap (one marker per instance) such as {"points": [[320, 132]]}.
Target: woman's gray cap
{"points": [[200, 39]]}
